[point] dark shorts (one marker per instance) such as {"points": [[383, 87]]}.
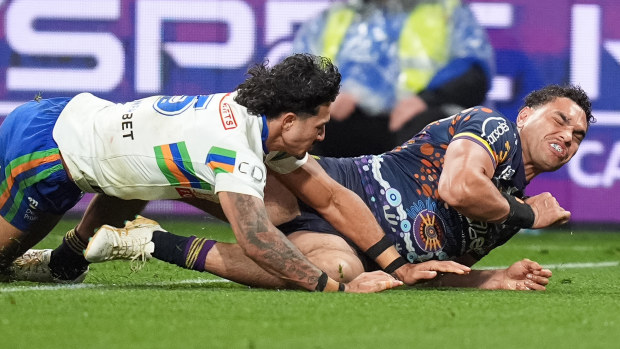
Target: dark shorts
{"points": [[33, 181], [345, 173]]}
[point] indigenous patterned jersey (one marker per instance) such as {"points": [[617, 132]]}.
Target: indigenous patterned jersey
{"points": [[400, 186], [166, 147]]}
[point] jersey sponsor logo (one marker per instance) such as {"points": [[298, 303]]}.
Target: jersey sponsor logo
{"points": [[477, 232], [256, 172], [185, 193], [32, 203], [507, 173], [30, 215], [494, 134], [226, 115], [176, 165], [191, 193], [173, 105], [127, 126], [221, 160]]}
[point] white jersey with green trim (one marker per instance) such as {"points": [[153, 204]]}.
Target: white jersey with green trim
{"points": [[166, 147]]}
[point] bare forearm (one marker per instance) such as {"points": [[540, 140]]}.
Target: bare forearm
{"points": [[267, 246], [279, 257], [482, 201], [482, 279], [522, 275], [350, 216], [230, 262]]}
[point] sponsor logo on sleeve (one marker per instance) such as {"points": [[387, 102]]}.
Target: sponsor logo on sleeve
{"points": [[226, 115], [256, 172], [492, 134], [189, 193], [185, 193]]}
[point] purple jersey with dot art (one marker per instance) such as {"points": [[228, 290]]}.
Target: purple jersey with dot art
{"points": [[400, 186]]}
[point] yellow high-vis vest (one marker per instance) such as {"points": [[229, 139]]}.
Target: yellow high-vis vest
{"points": [[423, 44]]}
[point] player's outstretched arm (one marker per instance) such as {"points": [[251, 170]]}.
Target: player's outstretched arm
{"points": [[465, 184], [266, 246], [229, 261], [522, 275]]}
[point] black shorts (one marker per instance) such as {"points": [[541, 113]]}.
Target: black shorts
{"points": [[311, 220]]}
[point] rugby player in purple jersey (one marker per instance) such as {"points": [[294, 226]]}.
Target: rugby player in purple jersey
{"points": [[455, 191]]}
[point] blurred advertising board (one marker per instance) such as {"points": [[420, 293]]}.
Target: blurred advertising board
{"points": [[128, 49]]}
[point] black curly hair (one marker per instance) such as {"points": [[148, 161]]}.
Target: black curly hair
{"points": [[301, 83], [550, 92]]}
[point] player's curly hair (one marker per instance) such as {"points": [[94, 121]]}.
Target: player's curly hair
{"points": [[550, 92], [301, 83]]}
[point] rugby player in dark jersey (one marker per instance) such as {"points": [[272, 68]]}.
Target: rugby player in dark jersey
{"points": [[454, 192]]}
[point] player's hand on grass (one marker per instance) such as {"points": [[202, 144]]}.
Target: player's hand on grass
{"points": [[525, 275], [547, 211], [374, 281], [412, 273]]}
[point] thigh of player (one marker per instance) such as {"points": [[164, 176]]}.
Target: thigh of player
{"points": [[329, 252]]}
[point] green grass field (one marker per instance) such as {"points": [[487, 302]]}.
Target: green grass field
{"points": [[162, 306]]}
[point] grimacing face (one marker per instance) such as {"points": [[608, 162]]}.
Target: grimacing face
{"points": [[551, 133], [303, 132]]}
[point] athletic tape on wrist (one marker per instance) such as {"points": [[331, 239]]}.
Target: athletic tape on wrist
{"points": [[320, 286], [397, 263], [375, 250], [521, 214]]}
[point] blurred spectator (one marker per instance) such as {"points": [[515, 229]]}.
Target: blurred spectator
{"points": [[404, 63]]}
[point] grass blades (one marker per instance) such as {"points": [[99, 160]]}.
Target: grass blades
{"points": [[163, 306]]}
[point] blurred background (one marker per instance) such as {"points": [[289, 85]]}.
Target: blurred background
{"points": [[128, 49]]}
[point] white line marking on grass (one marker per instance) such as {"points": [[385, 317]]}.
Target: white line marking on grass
{"points": [[565, 265], [208, 281], [48, 287], [87, 286]]}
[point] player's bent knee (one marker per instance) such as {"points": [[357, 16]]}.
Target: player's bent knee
{"points": [[329, 252], [340, 266]]}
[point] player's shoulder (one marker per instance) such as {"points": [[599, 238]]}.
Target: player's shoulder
{"points": [[481, 113], [487, 120]]}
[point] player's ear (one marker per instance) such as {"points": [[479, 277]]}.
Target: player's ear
{"points": [[288, 120], [523, 115]]}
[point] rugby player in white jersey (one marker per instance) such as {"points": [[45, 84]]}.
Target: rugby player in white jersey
{"points": [[207, 150]]}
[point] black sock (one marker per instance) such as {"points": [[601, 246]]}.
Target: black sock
{"points": [[67, 261], [169, 247], [186, 252]]}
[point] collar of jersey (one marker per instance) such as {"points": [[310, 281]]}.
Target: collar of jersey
{"points": [[264, 134]]}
